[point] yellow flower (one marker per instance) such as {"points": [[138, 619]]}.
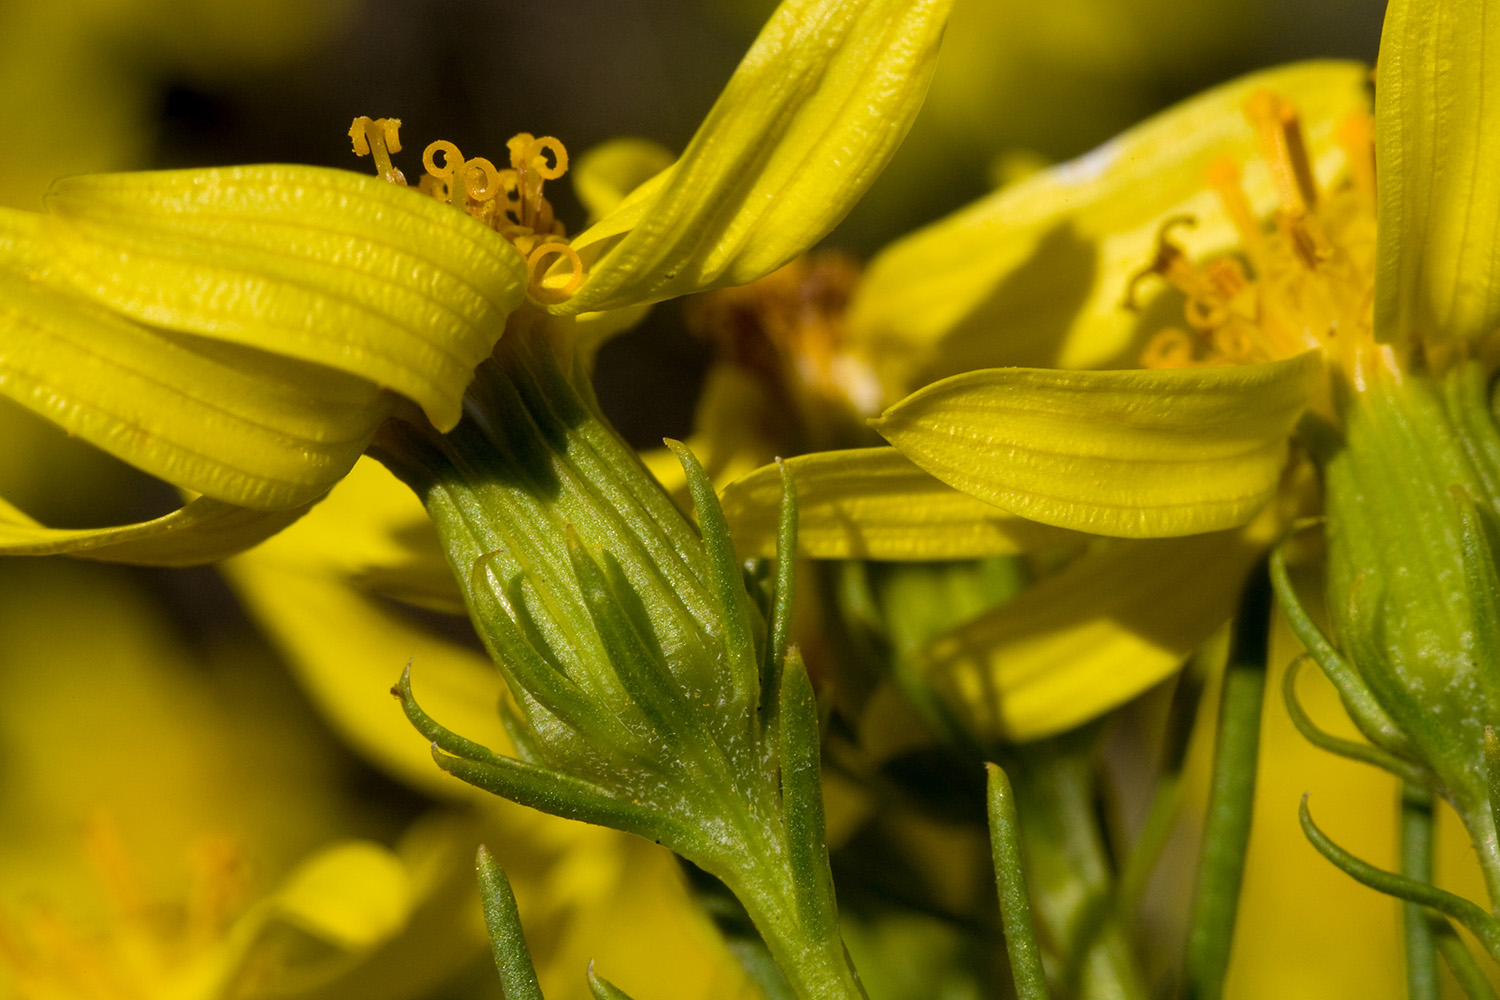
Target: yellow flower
{"points": [[242, 332], [1181, 463], [1037, 273]]}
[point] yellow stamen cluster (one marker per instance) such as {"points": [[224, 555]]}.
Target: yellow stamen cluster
{"points": [[509, 201], [141, 945], [1311, 276]]}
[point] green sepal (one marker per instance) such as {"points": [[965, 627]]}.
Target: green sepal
{"points": [[786, 580], [441, 737], [634, 658], [507, 942], [1363, 752], [560, 795], [802, 800], [1492, 771], [1479, 923], [532, 785], [553, 690], [1476, 545], [725, 580]]}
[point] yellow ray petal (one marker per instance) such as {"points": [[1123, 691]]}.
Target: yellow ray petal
{"points": [[605, 174], [1137, 454], [201, 531], [371, 533], [1112, 624], [873, 503], [347, 649], [1437, 143], [324, 266], [1036, 273], [240, 425], [815, 109]]}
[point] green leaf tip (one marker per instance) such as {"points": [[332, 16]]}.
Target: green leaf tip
{"points": [[1010, 880], [507, 941]]}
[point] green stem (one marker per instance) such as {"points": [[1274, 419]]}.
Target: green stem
{"points": [[1416, 864], [1166, 797], [1221, 866], [1471, 978]]}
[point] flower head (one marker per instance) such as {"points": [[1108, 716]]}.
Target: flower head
{"points": [[242, 332]]}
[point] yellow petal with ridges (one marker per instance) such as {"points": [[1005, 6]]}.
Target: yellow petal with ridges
{"points": [[325, 266], [1036, 273], [808, 120], [347, 648], [1437, 145], [1112, 624], [201, 531], [1137, 454], [873, 503], [242, 426]]}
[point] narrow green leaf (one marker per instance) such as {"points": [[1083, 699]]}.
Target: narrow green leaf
{"points": [[570, 798], [1010, 879], [507, 941], [1364, 752], [1137, 454], [809, 119], [1480, 924], [1437, 140], [201, 531], [873, 503], [324, 266], [1366, 712]]}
